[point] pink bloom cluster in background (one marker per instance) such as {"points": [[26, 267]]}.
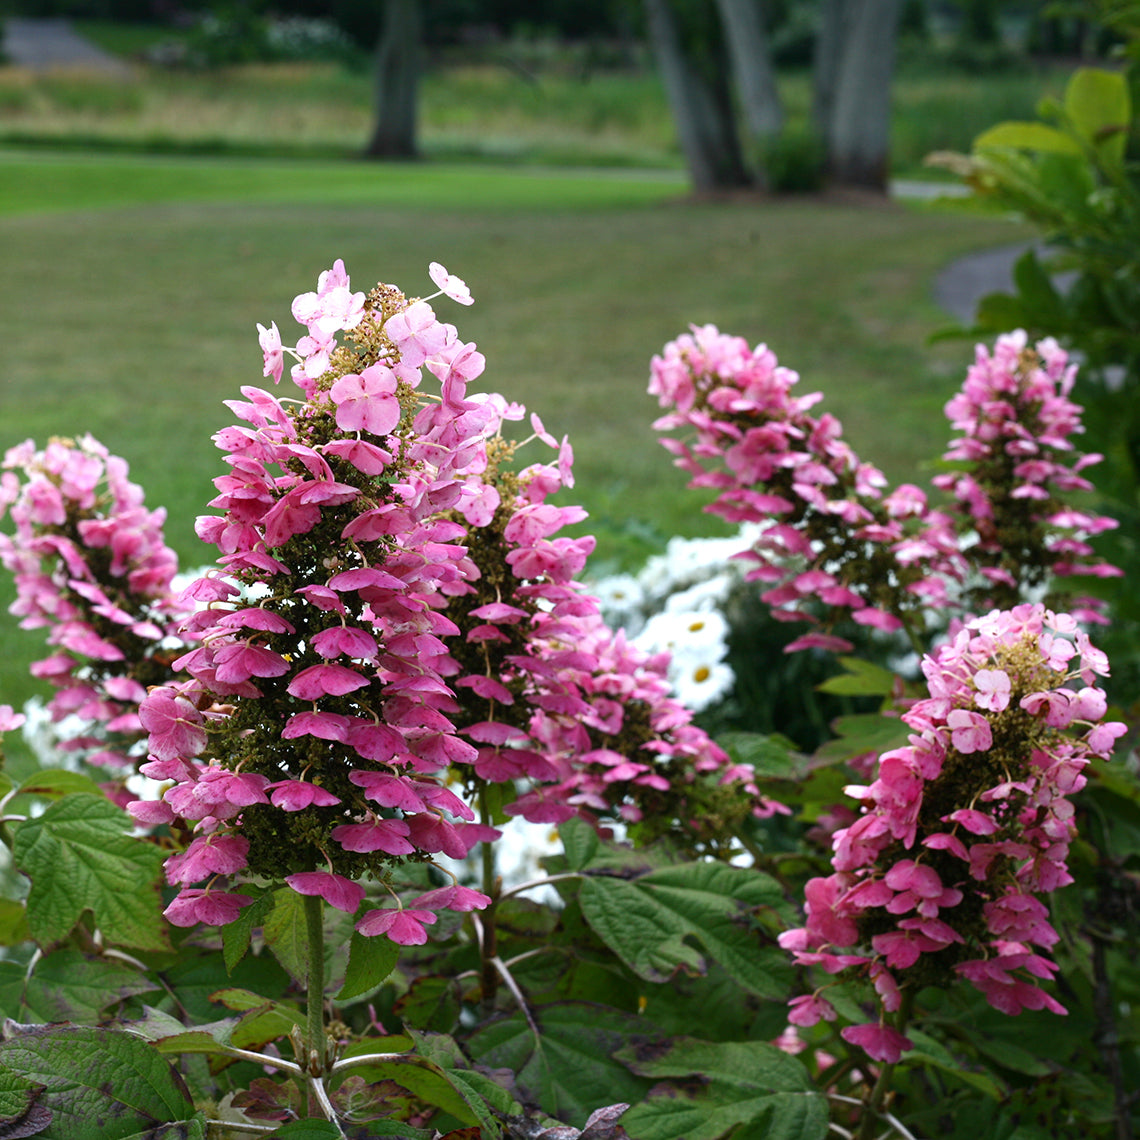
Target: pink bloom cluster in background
{"points": [[91, 566], [963, 829], [1016, 421], [833, 546], [395, 615], [836, 543]]}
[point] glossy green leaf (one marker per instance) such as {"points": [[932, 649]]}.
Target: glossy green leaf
{"points": [[1027, 136], [1098, 105], [720, 1086], [80, 860], [100, 1084]]}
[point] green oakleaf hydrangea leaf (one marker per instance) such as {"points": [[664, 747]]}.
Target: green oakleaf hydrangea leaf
{"points": [[101, 1084], [721, 1085], [70, 986], [53, 783], [370, 961], [20, 1113], [859, 679], [80, 859], [286, 933], [652, 923], [569, 1068], [13, 923]]}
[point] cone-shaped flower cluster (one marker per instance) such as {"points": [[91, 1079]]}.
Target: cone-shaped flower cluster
{"points": [[397, 615], [92, 567], [1018, 463], [833, 546], [312, 740], [552, 697], [835, 542], [963, 828]]}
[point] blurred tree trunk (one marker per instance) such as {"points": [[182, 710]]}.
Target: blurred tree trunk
{"points": [[397, 81], [694, 78], [854, 67], [752, 68]]}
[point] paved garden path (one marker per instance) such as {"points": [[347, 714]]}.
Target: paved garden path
{"points": [[963, 283], [44, 44]]}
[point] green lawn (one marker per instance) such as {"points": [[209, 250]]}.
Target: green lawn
{"points": [[133, 285]]}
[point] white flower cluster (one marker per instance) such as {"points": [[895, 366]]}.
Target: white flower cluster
{"points": [[675, 605]]}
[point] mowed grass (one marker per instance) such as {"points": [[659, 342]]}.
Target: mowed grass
{"points": [[136, 322]]}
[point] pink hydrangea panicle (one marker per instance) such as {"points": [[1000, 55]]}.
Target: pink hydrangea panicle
{"points": [[92, 567], [754, 441], [1009, 724], [1016, 419]]}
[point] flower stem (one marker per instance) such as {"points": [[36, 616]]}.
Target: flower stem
{"points": [[875, 1104], [488, 951], [316, 1051]]}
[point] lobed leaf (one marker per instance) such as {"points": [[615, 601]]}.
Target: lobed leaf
{"points": [[101, 1084], [859, 679], [737, 1083], [81, 860], [70, 986], [568, 1068], [656, 923]]}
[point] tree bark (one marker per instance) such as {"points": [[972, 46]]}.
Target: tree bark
{"points": [[752, 68], [825, 66], [705, 126], [857, 104], [397, 81]]}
